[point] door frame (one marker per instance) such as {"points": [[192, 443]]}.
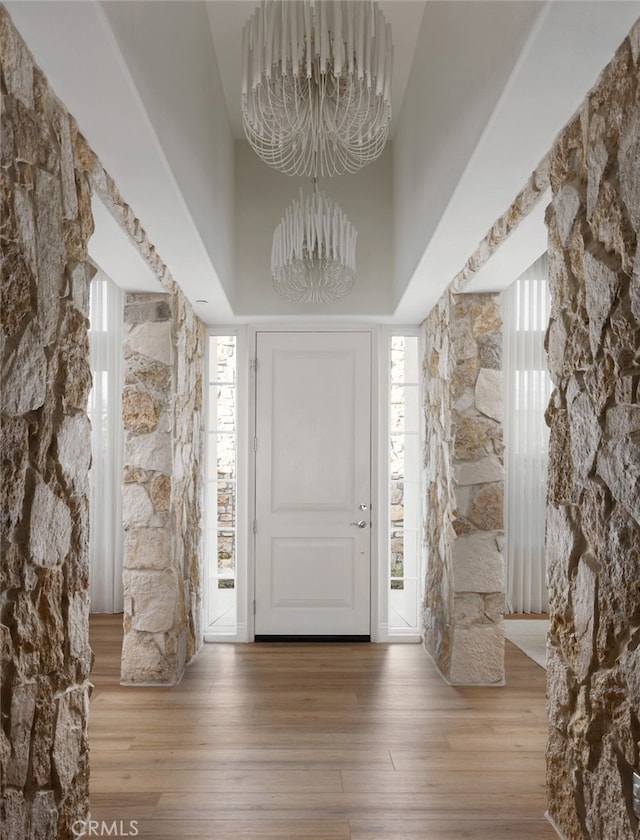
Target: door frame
{"points": [[246, 490]]}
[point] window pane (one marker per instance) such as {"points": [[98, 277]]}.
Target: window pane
{"points": [[221, 475], [404, 485], [411, 408], [411, 374]]}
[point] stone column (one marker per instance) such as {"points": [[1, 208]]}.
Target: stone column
{"points": [[162, 416], [464, 597], [593, 505], [45, 452]]}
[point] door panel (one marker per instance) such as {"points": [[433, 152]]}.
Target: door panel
{"points": [[313, 418]]}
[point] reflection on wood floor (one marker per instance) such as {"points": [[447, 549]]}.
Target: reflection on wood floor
{"points": [[317, 742]]}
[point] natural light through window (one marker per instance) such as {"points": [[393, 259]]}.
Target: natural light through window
{"points": [[404, 485], [221, 515]]}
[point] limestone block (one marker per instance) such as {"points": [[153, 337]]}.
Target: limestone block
{"points": [[563, 544], [67, 173], [562, 689], [606, 809], [462, 340], [608, 224], [152, 339], [149, 452], [24, 379], [78, 626], [618, 460], [487, 511], [74, 449], [464, 376], [23, 704], [597, 159], [468, 608], [476, 437], [153, 376], [560, 466], [43, 820], [477, 563], [49, 526], [160, 492], [556, 342], [581, 647], [143, 662], [486, 316], [564, 785], [154, 598], [483, 471], [477, 655], [602, 285], [68, 742], [618, 581], [490, 351], [135, 475], [14, 812], [15, 290], [147, 548], [145, 310], [566, 204], [494, 605], [140, 411], [488, 393], [14, 453], [51, 252], [80, 275], [137, 507]]}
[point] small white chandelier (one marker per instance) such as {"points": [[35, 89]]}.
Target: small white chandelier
{"points": [[313, 258], [316, 84]]}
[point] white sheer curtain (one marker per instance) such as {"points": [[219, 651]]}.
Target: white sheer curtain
{"points": [[105, 477], [525, 309]]}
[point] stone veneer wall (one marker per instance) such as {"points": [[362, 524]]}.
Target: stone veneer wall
{"points": [[45, 450], [162, 414], [47, 173], [462, 379], [593, 513]]}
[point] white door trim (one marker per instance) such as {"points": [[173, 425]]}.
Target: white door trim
{"points": [[246, 335]]}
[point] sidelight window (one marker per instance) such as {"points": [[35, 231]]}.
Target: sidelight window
{"points": [[221, 514], [405, 540]]}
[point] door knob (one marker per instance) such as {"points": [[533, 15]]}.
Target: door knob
{"points": [[360, 524]]}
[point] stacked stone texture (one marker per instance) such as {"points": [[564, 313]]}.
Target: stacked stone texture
{"points": [[45, 452], [465, 484], [162, 416], [593, 514]]}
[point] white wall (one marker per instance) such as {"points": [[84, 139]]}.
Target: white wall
{"points": [[263, 195], [186, 105], [465, 54]]}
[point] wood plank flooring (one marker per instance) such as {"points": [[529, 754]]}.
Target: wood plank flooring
{"points": [[317, 742]]}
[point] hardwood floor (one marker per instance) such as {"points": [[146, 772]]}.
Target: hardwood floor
{"points": [[317, 742]]}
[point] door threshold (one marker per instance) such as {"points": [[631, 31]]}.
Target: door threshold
{"points": [[267, 637]]}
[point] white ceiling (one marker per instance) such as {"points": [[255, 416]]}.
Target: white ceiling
{"points": [[481, 89]]}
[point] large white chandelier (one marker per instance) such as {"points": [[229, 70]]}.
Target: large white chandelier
{"points": [[316, 86], [313, 258]]}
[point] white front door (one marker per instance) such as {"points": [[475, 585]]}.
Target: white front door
{"points": [[313, 484]]}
